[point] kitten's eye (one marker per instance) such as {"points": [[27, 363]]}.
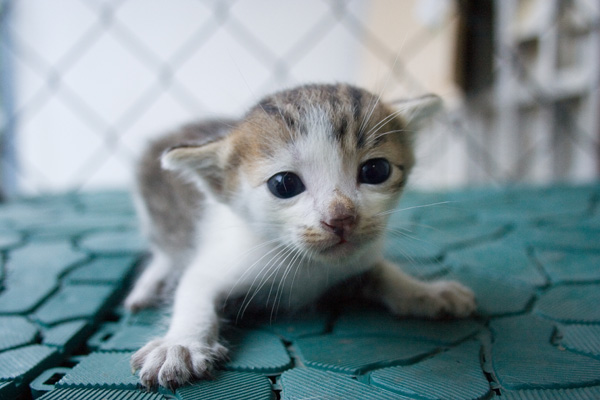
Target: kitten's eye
{"points": [[285, 185], [374, 171]]}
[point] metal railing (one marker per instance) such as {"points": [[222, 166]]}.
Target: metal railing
{"points": [[534, 119]]}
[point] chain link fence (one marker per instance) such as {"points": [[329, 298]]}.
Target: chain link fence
{"points": [[84, 84]]}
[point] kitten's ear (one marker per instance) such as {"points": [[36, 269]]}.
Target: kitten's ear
{"points": [[204, 163], [416, 110]]}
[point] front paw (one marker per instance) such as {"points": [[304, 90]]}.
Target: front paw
{"points": [[437, 299], [138, 300], [174, 362]]}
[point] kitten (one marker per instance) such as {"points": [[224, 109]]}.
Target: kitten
{"points": [[272, 210]]}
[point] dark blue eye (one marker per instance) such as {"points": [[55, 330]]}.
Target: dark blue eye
{"points": [[285, 185], [374, 171]]}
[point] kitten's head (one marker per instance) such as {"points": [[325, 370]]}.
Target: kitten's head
{"points": [[317, 167]]}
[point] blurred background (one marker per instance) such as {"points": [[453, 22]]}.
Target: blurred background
{"points": [[84, 84]]}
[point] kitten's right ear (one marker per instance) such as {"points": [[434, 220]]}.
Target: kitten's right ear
{"points": [[204, 163]]}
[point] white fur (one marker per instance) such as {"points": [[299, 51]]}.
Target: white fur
{"points": [[254, 248], [231, 261]]}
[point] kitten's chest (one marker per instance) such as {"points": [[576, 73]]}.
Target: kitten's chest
{"points": [[281, 282], [285, 283], [253, 272]]}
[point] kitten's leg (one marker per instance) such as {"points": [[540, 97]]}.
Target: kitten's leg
{"points": [[150, 285], [407, 296], [190, 347]]}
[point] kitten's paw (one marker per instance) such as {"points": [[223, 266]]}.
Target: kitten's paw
{"points": [[145, 294], [153, 284], [437, 299], [138, 300], [174, 362]]}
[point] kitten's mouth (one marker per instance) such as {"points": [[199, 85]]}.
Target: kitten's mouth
{"points": [[330, 245], [341, 246]]}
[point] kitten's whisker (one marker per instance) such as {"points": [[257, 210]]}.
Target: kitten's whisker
{"points": [[259, 103], [412, 208], [372, 105], [411, 224], [417, 240], [280, 264], [370, 134], [272, 268], [380, 135], [292, 136], [297, 257], [261, 106], [406, 255], [246, 253], [258, 246], [403, 234], [269, 269], [379, 95], [384, 121], [249, 269], [361, 130], [282, 279], [261, 274], [400, 228], [308, 255], [297, 267], [366, 118], [282, 249]]}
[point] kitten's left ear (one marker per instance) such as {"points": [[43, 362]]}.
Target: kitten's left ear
{"points": [[416, 110]]}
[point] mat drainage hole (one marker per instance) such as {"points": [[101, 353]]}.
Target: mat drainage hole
{"points": [[112, 317], [57, 376]]}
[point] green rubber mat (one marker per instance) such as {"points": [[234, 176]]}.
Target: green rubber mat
{"points": [[380, 323], [257, 351], [531, 255], [586, 393], [358, 354], [453, 374], [16, 331], [229, 385], [307, 383], [583, 339], [108, 370], [99, 394], [68, 336], [525, 356]]}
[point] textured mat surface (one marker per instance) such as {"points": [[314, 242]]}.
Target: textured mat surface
{"points": [[532, 256]]}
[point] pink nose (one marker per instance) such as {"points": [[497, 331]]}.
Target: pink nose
{"points": [[341, 225]]}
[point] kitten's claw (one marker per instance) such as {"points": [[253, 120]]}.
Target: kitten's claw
{"points": [[454, 299], [152, 285], [174, 362], [437, 299], [145, 294], [136, 301]]}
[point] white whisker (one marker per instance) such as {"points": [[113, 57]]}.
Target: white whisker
{"points": [[283, 262], [412, 208], [281, 247], [403, 234], [270, 269], [280, 287], [378, 98]]}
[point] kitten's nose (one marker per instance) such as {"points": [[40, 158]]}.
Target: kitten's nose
{"points": [[340, 225]]}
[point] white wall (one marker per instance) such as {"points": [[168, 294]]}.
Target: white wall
{"points": [[106, 96], [95, 79]]}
